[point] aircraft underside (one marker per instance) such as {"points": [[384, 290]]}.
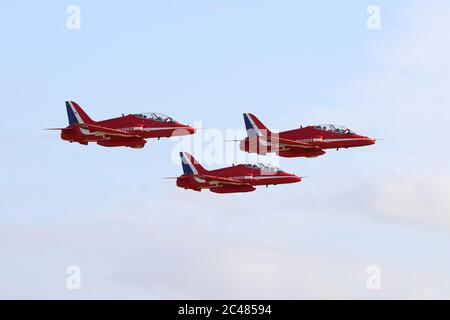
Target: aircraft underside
{"points": [[223, 189], [136, 143]]}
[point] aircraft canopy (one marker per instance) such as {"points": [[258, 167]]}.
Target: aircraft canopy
{"points": [[333, 128], [264, 167], [155, 116]]}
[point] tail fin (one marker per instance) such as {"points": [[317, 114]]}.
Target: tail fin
{"points": [[190, 165], [76, 115], [255, 128]]}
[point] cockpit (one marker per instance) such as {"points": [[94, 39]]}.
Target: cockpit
{"points": [[154, 116], [333, 128], [263, 167]]}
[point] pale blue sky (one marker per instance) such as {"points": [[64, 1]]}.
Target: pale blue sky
{"points": [[290, 62]]}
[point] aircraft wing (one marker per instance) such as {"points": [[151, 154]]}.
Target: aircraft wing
{"points": [[221, 180], [288, 143], [99, 130]]}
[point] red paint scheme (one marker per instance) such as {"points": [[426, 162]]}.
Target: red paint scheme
{"points": [[235, 179], [125, 131], [303, 142]]}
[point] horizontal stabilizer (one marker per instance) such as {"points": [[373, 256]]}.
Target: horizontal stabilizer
{"points": [[60, 129]]}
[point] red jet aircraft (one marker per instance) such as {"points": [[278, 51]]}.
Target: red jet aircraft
{"points": [[126, 131], [303, 142], [235, 179]]}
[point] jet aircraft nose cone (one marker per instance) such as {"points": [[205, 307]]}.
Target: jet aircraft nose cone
{"points": [[291, 178], [191, 130], [188, 129], [362, 141], [371, 141]]}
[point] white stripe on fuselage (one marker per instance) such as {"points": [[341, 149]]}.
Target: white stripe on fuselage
{"points": [[86, 132], [148, 129], [346, 139], [258, 177], [335, 140], [271, 177]]}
